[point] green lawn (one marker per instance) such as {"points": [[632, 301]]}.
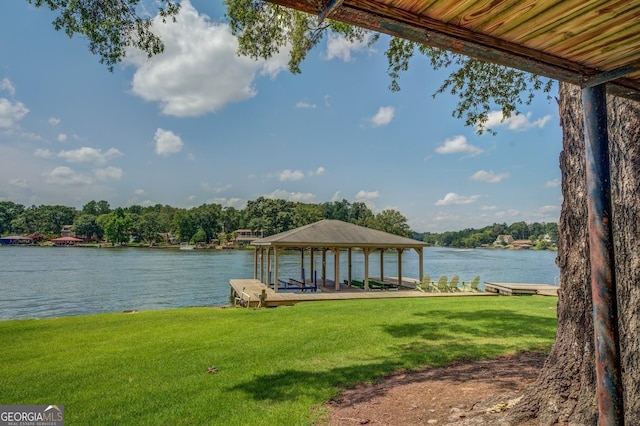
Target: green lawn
{"points": [[275, 366]]}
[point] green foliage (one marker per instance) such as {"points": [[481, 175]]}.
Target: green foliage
{"points": [[117, 226], [47, 220], [149, 226], [357, 213], [391, 221], [480, 86], [9, 211], [273, 366], [110, 26], [145, 224], [184, 225], [96, 208], [470, 238], [199, 236], [264, 28], [86, 225]]}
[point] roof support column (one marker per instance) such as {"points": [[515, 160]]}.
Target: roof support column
{"points": [[336, 268], [262, 265], [420, 263], [268, 280], [302, 277], [381, 264], [275, 269], [324, 267], [312, 270], [399, 267], [366, 251], [350, 271], [602, 257], [255, 263]]}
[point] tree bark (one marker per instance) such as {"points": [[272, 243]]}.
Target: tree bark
{"points": [[565, 391]]}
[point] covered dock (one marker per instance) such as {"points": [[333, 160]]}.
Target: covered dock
{"points": [[332, 236], [15, 240]]}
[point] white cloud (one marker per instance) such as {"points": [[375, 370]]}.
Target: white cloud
{"points": [[66, 176], [87, 154], [303, 197], [336, 196], [140, 192], [519, 122], [62, 137], [6, 85], [508, 213], [452, 198], [290, 175], [109, 173], [457, 145], [11, 112], [236, 203], [487, 208], [549, 209], [319, 171], [339, 47], [19, 182], [54, 121], [43, 153], [167, 142], [552, 183], [199, 71], [367, 195], [489, 176], [305, 105], [215, 189], [444, 217], [383, 116]]}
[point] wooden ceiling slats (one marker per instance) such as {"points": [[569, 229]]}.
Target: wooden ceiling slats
{"points": [[564, 39], [553, 22], [586, 31]]}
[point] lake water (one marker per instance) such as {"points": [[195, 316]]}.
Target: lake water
{"points": [[39, 282]]}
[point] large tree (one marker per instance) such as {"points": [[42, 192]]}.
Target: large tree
{"points": [[565, 391]]}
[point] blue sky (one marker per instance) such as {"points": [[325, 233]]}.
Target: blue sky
{"points": [[200, 125]]}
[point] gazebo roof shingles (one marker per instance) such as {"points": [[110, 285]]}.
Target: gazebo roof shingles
{"points": [[336, 233]]}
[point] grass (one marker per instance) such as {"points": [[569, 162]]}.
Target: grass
{"points": [[275, 366]]}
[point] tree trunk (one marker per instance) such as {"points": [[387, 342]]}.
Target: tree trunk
{"points": [[565, 390]]}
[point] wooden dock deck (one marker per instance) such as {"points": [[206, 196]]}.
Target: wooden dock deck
{"points": [[258, 294], [515, 289]]}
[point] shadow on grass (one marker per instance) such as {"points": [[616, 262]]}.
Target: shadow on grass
{"points": [[440, 338], [437, 325], [289, 385]]}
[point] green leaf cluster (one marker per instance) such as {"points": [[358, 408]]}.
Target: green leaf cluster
{"points": [[110, 26]]}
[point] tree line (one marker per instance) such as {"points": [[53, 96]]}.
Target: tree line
{"points": [[209, 222], [206, 223], [542, 235]]}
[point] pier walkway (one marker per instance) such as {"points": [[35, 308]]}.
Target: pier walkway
{"points": [[258, 294]]}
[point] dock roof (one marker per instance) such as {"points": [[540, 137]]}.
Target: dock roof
{"points": [[336, 233]]}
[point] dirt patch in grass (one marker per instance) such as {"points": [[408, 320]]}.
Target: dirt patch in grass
{"points": [[464, 393]]}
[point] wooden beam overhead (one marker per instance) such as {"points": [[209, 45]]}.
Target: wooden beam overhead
{"points": [[329, 9]]}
